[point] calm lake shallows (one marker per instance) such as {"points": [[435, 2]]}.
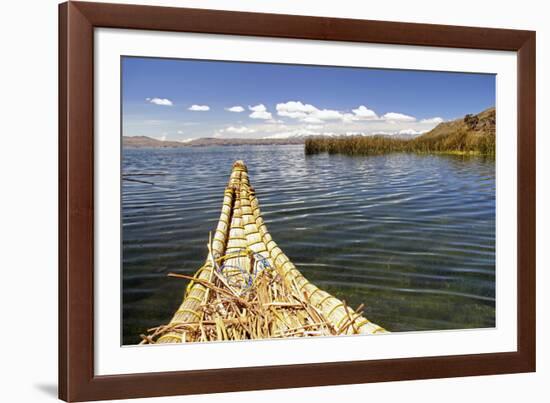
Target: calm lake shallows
{"points": [[410, 236]]}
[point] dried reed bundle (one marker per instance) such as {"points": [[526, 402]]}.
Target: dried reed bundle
{"points": [[249, 289]]}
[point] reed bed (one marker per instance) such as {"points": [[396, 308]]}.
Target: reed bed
{"points": [[473, 134], [457, 143], [249, 289]]}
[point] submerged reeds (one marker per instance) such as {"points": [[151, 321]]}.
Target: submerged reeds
{"points": [[249, 289]]}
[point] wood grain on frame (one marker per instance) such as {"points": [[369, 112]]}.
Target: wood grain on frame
{"points": [[77, 21]]}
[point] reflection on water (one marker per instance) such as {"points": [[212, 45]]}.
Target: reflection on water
{"points": [[410, 236]]}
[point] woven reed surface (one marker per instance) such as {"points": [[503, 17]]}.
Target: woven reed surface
{"points": [[249, 289]]}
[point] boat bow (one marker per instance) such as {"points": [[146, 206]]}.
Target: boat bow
{"points": [[248, 288]]}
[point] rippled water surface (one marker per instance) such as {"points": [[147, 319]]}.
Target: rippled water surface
{"points": [[410, 236]]}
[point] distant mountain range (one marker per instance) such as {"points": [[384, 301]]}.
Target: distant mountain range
{"points": [[149, 142]]}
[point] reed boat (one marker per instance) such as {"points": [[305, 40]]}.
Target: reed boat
{"points": [[248, 288]]}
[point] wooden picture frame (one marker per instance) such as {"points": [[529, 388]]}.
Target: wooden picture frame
{"points": [[77, 21]]}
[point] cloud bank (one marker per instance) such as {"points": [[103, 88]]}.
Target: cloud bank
{"points": [[294, 118]]}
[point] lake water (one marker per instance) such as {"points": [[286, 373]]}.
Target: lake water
{"points": [[410, 236]]}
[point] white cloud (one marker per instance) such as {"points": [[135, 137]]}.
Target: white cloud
{"points": [[258, 108], [411, 131], [436, 120], [327, 114], [159, 101], [295, 109], [199, 108], [236, 108], [364, 113], [311, 119], [314, 127], [398, 117], [259, 112], [350, 118], [238, 130], [306, 112], [311, 114]]}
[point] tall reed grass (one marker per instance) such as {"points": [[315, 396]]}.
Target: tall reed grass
{"points": [[460, 142]]}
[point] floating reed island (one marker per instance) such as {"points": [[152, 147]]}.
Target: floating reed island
{"points": [[471, 135], [249, 289]]}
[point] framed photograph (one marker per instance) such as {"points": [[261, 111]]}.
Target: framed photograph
{"points": [[254, 201]]}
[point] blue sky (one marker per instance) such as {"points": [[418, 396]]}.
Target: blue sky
{"points": [[173, 99]]}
